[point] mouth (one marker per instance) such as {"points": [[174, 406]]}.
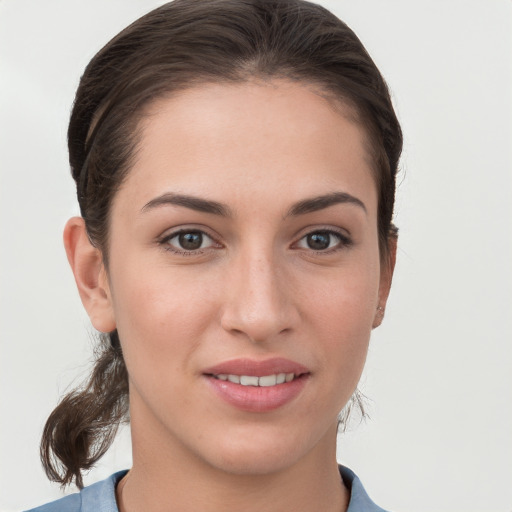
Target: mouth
{"points": [[257, 386], [265, 381]]}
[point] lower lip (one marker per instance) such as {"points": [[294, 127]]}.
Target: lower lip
{"points": [[257, 398]]}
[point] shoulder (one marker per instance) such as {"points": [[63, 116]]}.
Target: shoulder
{"points": [[101, 496], [95, 497], [359, 499], [71, 503]]}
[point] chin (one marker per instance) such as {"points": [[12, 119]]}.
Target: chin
{"points": [[254, 462], [261, 453]]}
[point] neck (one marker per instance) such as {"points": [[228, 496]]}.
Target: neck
{"points": [[167, 478]]}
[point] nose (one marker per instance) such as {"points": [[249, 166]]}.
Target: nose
{"points": [[260, 305]]}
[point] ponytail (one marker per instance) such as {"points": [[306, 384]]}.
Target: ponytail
{"points": [[83, 425]]}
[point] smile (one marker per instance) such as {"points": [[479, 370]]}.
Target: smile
{"points": [[251, 380], [257, 386]]}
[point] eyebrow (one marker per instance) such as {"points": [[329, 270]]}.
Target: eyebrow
{"points": [[315, 204], [208, 206], [192, 202]]}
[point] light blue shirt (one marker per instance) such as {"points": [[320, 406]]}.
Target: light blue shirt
{"points": [[101, 496]]}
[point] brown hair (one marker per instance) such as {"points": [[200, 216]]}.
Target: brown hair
{"points": [[180, 44]]}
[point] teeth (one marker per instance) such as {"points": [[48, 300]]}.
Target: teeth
{"points": [[268, 380], [264, 381], [248, 381]]}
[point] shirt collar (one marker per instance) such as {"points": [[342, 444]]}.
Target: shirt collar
{"points": [[359, 499], [101, 496]]}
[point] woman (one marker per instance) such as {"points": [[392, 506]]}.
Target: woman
{"points": [[235, 165]]}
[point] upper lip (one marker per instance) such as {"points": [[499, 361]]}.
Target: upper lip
{"points": [[251, 367]]}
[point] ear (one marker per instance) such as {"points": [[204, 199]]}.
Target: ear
{"points": [[90, 275], [387, 267]]}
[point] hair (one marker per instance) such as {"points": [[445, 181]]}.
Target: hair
{"points": [[177, 46]]}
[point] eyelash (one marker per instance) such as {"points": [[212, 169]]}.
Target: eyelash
{"points": [[344, 242], [166, 245]]}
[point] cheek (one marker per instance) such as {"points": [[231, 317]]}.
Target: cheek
{"points": [[341, 313], [159, 314], [347, 297]]}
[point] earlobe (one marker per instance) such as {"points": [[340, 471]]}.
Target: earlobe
{"points": [[386, 277], [90, 275]]}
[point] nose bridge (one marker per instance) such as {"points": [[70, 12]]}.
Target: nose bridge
{"points": [[259, 304]]}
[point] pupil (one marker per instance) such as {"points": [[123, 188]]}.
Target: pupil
{"points": [[318, 241], [191, 241]]}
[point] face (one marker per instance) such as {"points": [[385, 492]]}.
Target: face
{"points": [[244, 274]]}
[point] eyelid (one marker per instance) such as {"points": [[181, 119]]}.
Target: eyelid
{"points": [[345, 240], [164, 239]]}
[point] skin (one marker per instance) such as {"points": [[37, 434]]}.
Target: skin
{"points": [[254, 289]]}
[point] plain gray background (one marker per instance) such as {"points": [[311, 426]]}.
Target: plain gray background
{"points": [[439, 373]]}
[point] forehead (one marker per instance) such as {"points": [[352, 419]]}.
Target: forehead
{"points": [[250, 137]]}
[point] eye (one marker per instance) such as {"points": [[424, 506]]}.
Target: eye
{"points": [[323, 240], [187, 241]]}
